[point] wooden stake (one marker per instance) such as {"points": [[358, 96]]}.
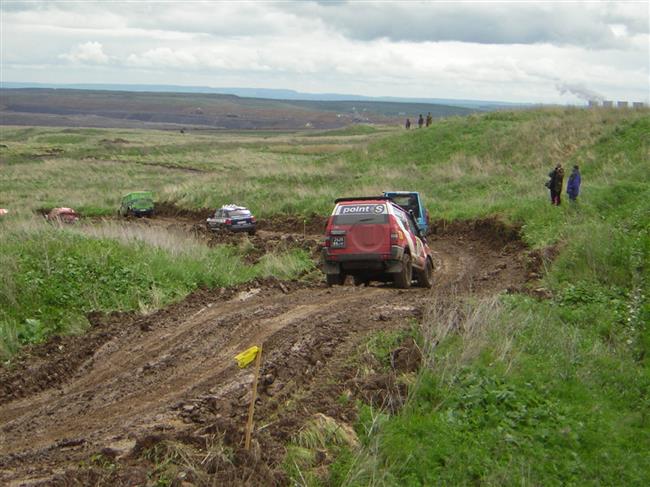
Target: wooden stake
{"points": [[251, 407]]}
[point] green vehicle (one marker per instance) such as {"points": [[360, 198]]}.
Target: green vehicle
{"points": [[139, 203]]}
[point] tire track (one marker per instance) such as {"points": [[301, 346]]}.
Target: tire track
{"points": [[136, 382]]}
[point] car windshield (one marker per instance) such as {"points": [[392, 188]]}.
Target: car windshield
{"points": [[240, 213], [408, 202], [360, 214], [144, 196]]}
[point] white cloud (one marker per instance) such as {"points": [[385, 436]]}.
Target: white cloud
{"points": [[568, 23], [507, 51], [88, 52]]}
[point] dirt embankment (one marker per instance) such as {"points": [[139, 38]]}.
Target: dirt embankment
{"points": [[137, 382], [307, 225]]}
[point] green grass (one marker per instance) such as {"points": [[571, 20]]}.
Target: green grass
{"points": [[466, 167], [540, 392], [551, 392], [90, 169], [50, 277], [539, 402]]}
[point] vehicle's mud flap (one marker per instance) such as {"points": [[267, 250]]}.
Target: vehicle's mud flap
{"points": [[331, 268], [394, 267]]}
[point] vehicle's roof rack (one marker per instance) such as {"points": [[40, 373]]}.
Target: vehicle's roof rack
{"points": [[362, 198]]}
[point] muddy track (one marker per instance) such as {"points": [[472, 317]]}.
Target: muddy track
{"points": [[172, 373]]}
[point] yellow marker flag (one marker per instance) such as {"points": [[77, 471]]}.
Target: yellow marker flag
{"points": [[247, 356]]}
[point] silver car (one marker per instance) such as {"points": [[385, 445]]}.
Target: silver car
{"points": [[232, 218]]}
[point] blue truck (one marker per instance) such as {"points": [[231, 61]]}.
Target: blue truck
{"points": [[410, 201]]}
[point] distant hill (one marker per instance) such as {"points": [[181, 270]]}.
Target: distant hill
{"points": [[267, 93], [174, 110]]}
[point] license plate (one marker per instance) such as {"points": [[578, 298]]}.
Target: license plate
{"points": [[338, 242], [240, 222]]}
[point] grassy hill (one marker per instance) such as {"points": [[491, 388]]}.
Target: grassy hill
{"points": [[521, 390]]}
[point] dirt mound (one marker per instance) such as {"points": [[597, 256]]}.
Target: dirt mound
{"points": [[254, 247], [46, 365], [307, 225], [537, 261], [312, 224], [492, 231], [169, 209], [50, 364]]}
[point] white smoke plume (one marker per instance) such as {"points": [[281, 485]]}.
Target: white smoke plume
{"points": [[580, 91]]}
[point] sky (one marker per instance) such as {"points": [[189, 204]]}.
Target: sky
{"points": [[539, 52]]}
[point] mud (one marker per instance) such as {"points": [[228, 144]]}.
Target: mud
{"points": [[286, 224], [309, 225], [134, 382]]}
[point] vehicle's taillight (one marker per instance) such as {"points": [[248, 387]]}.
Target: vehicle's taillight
{"points": [[228, 221], [253, 219], [396, 236], [326, 241]]}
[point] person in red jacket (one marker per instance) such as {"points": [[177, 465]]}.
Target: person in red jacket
{"points": [[555, 184]]}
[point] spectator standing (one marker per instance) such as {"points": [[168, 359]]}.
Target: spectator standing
{"points": [[573, 185], [429, 119], [555, 184], [408, 123], [420, 121]]}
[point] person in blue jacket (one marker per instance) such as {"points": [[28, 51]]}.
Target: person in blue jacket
{"points": [[573, 185]]}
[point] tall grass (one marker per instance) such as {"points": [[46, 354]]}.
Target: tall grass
{"points": [[175, 241], [52, 275], [498, 162], [518, 391], [91, 169], [515, 395]]}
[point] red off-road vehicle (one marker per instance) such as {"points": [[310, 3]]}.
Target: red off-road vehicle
{"points": [[373, 239]]}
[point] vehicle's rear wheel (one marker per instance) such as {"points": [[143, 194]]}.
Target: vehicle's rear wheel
{"points": [[251, 232], [361, 280], [425, 276], [335, 279], [403, 278]]}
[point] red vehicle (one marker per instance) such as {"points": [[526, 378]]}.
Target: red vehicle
{"points": [[373, 239], [63, 215]]}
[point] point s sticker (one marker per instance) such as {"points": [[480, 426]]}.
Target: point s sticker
{"points": [[370, 209]]}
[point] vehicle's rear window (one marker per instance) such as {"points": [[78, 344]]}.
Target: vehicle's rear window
{"points": [[408, 202], [360, 213], [244, 213]]}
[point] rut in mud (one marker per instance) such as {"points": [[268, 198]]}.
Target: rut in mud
{"points": [[135, 380]]}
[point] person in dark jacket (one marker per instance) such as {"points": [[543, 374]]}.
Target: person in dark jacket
{"points": [[555, 184], [420, 121], [429, 119], [573, 185], [408, 123]]}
